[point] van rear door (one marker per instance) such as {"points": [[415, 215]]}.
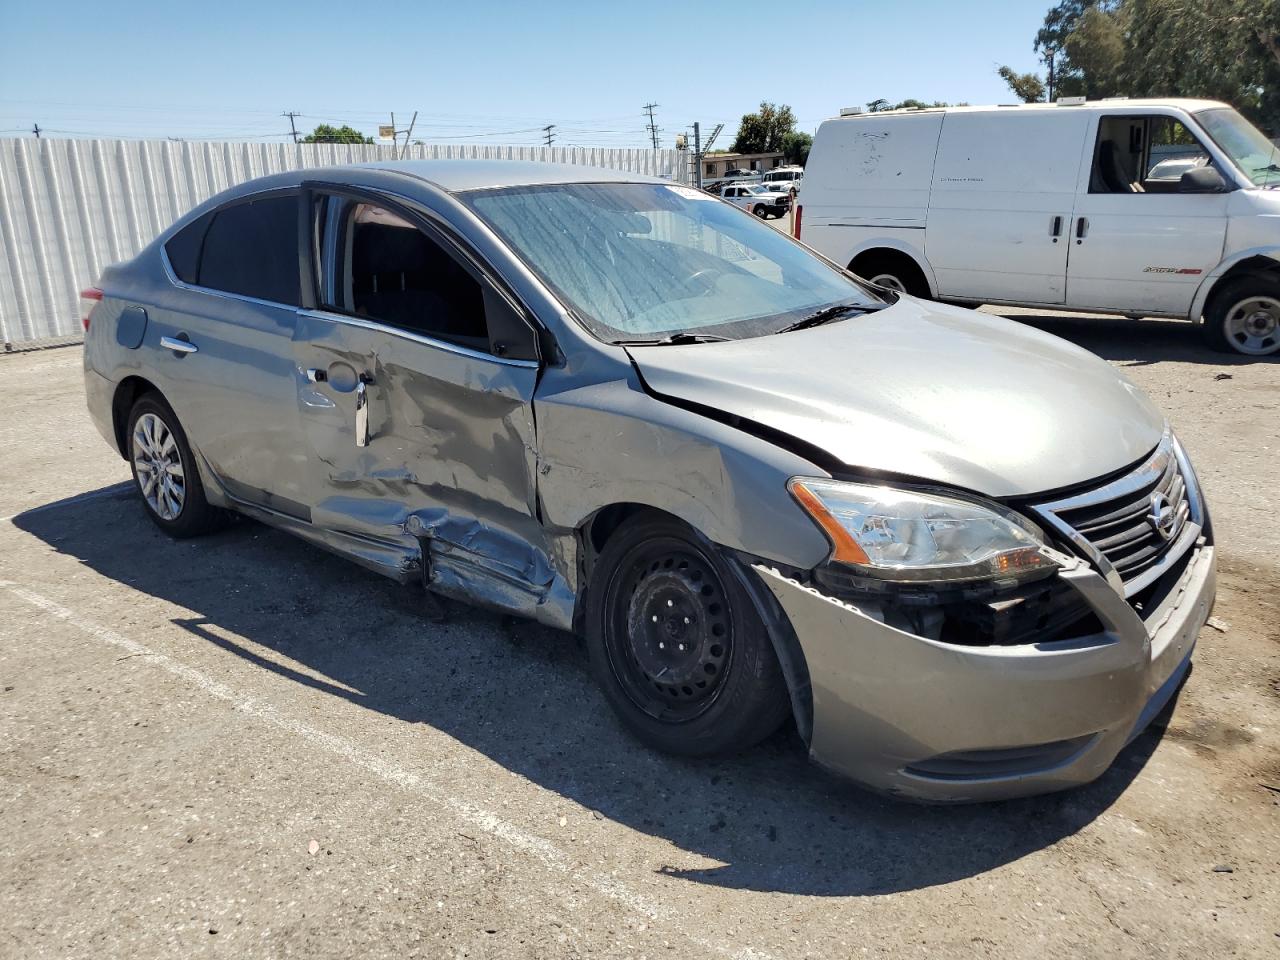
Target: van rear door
{"points": [[1001, 202]]}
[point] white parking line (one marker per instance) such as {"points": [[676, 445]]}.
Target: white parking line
{"points": [[538, 848]]}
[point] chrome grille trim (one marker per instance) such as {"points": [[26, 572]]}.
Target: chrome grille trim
{"points": [[1109, 524]]}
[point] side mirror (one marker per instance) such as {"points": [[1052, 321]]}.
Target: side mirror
{"points": [[1202, 180]]}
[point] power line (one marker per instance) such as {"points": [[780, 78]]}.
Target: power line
{"points": [[548, 131], [652, 128], [292, 129]]}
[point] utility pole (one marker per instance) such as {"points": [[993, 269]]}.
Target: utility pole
{"points": [[408, 134], [652, 128], [1049, 56], [697, 155], [547, 132], [35, 128], [292, 129]]}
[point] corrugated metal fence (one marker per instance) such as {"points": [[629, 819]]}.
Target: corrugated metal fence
{"points": [[70, 207]]}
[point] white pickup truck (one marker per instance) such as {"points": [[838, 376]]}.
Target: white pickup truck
{"points": [[762, 201]]}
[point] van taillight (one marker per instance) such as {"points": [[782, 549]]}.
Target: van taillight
{"points": [[90, 297], [795, 224]]}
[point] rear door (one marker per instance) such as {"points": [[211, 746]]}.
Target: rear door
{"points": [[416, 398], [1137, 244], [231, 377], [1002, 195]]}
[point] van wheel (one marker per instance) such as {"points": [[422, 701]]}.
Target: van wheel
{"points": [[898, 273], [758, 210], [676, 644], [165, 473], [1244, 316]]}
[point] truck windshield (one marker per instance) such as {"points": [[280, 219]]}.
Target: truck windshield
{"points": [[1249, 149], [645, 261]]}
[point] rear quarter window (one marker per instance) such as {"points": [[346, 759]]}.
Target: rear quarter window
{"points": [[184, 247]]}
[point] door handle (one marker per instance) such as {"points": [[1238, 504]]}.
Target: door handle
{"points": [[178, 345], [1082, 228], [317, 375], [362, 410], [1055, 228]]}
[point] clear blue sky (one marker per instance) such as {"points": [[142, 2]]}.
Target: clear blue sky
{"points": [[489, 71]]}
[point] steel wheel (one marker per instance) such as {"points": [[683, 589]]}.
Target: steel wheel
{"points": [[1252, 326], [670, 635], [889, 281], [157, 463]]}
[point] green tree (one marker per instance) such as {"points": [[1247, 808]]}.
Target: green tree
{"points": [[1227, 50], [1099, 26], [1027, 87], [795, 147], [343, 134], [881, 105], [762, 131]]}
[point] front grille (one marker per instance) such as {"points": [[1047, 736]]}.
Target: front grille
{"points": [[1130, 525]]}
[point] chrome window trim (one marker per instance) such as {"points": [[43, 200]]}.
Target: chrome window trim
{"points": [[444, 345]]}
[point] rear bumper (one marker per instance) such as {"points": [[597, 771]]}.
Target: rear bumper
{"points": [[99, 393], [945, 723]]}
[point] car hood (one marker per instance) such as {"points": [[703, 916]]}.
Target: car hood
{"points": [[926, 391]]}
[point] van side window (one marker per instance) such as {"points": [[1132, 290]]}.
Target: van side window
{"points": [[1143, 154], [251, 248], [392, 272]]}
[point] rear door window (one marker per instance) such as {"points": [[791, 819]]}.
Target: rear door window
{"points": [[248, 248]]}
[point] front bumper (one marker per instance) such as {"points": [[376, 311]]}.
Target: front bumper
{"points": [[940, 722]]}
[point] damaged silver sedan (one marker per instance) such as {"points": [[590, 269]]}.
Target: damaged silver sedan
{"points": [[970, 560]]}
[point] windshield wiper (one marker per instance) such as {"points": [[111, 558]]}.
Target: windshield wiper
{"points": [[833, 312], [683, 336]]}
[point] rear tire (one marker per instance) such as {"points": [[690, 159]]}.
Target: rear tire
{"points": [[897, 273], [676, 644], [165, 473], [1243, 317]]}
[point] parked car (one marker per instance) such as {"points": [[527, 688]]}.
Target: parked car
{"points": [[759, 200], [968, 559], [1062, 206], [784, 177]]}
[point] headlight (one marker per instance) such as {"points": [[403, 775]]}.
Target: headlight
{"points": [[903, 535]]}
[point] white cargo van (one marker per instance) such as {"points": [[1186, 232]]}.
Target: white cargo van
{"points": [[1137, 207]]}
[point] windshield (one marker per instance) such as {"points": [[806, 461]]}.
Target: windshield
{"points": [[1246, 145], [639, 261]]}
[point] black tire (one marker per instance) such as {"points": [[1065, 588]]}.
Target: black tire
{"points": [[894, 273], [722, 690], [194, 515], [758, 210], [1226, 323]]}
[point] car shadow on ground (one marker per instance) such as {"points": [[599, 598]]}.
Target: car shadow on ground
{"points": [[521, 695], [1136, 342]]}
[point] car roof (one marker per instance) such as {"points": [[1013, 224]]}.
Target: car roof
{"points": [[467, 174]]}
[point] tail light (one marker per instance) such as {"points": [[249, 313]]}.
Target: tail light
{"points": [[90, 297], [795, 222]]}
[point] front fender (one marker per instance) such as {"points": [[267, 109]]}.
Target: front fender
{"points": [[1222, 269]]}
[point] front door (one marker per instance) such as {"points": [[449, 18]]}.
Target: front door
{"points": [[1138, 245], [418, 429]]}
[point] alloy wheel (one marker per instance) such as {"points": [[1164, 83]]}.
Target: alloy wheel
{"points": [[158, 466]]}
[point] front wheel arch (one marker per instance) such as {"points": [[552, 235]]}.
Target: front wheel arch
{"points": [[594, 533]]}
